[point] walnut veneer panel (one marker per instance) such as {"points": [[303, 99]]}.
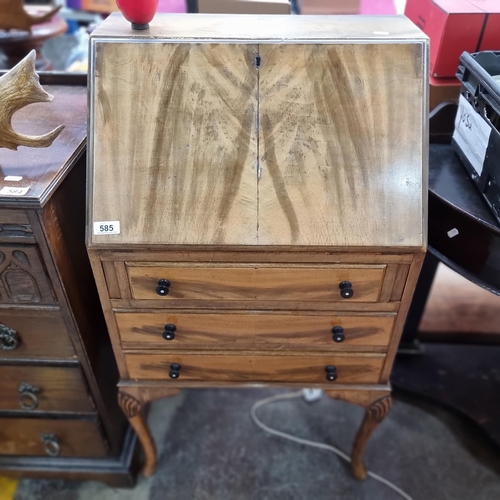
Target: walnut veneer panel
{"points": [[340, 145], [77, 438], [264, 330], [204, 366], [176, 124], [57, 389], [308, 144], [38, 334], [256, 282]]}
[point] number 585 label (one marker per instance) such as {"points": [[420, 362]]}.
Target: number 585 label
{"points": [[107, 227]]}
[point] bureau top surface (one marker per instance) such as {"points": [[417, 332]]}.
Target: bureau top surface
{"points": [[264, 28], [276, 145], [29, 176]]}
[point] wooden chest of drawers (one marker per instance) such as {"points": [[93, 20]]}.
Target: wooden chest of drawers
{"points": [[257, 203], [59, 417]]}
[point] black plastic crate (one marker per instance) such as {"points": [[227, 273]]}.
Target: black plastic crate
{"points": [[477, 126]]}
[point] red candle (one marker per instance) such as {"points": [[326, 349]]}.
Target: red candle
{"points": [[138, 12]]}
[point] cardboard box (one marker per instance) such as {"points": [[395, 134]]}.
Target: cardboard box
{"points": [[455, 26], [319, 7], [244, 6]]}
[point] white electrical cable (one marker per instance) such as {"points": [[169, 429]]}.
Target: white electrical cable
{"points": [[322, 446]]}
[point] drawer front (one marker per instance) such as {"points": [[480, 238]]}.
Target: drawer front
{"points": [[205, 367], [15, 227], [43, 389], [22, 276], [34, 334], [174, 330], [291, 283], [51, 438]]}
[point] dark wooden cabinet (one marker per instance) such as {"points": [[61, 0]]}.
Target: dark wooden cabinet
{"points": [[59, 415]]}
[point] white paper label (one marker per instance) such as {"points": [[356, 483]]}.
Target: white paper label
{"points": [[14, 191], [13, 178], [107, 227], [472, 134]]}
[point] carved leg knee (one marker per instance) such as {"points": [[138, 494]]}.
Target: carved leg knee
{"points": [[133, 411]]}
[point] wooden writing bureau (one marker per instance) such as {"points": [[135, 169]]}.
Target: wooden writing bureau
{"points": [[257, 203]]}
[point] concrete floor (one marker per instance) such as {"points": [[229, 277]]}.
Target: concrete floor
{"points": [[211, 450]]}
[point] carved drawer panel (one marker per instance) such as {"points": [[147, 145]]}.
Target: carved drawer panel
{"points": [[51, 438], [255, 282], [255, 367], [34, 334], [262, 330], [43, 389], [22, 276], [15, 227]]}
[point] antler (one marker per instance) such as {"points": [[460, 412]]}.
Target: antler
{"points": [[18, 88], [13, 16]]}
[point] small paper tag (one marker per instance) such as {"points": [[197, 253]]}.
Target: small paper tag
{"points": [[13, 178], [472, 134], [14, 191], [107, 227]]}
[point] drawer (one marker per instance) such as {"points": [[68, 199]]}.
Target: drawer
{"points": [[255, 367], [22, 276], [51, 437], [34, 334], [15, 227], [255, 282], [256, 330], [43, 389]]}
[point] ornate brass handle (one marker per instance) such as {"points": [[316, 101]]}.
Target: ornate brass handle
{"points": [[9, 339], [51, 444], [28, 399]]}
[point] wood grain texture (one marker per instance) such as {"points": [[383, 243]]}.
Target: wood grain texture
{"points": [[270, 330], [341, 139], [409, 289], [399, 282], [262, 282], [201, 366], [256, 255], [23, 279], [132, 409], [111, 280], [270, 305], [77, 438], [194, 159], [60, 389], [62, 222], [41, 334], [361, 397], [15, 227], [265, 28], [375, 413], [42, 170]]}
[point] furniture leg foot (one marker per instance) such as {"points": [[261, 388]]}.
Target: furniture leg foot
{"points": [[133, 411], [375, 413]]}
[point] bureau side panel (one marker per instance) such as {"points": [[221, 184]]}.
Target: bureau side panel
{"points": [[174, 143]]}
